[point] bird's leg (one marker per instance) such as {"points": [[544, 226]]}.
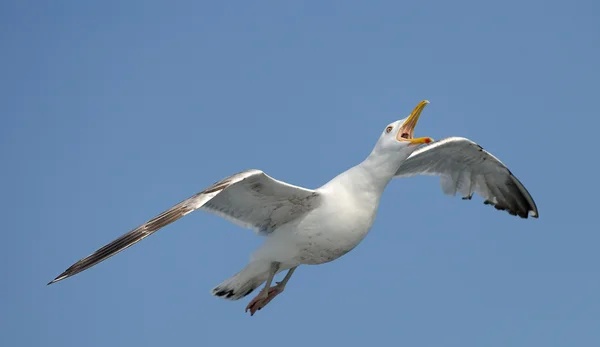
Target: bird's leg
{"points": [[281, 285], [271, 292], [257, 303], [277, 289]]}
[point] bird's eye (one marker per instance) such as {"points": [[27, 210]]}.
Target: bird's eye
{"points": [[388, 129]]}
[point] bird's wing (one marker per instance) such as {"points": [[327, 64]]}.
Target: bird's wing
{"points": [[250, 198], [464, 168]]}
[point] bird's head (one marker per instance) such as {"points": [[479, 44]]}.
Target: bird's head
{"points": [[396, 144], [399, 136]]}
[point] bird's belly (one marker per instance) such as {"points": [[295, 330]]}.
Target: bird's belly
{"points": [[318, 239], [325, 246]]}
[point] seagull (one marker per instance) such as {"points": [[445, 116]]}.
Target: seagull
{"points": [[304, 226]]}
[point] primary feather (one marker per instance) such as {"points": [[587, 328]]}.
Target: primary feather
{"points": [[465, 167]]}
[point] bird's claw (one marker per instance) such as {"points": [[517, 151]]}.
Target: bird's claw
{"points": [[261, 300]]}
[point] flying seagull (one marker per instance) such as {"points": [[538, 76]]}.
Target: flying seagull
{"points": [[306, 226]]}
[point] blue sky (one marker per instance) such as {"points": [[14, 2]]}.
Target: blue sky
{"points": [[114, 111]]}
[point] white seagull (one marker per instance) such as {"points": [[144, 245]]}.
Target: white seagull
{"points": [[306, 226]]}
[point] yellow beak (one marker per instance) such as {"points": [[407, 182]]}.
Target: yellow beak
{"points": [[407, 129]]}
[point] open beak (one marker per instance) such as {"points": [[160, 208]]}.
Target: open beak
{"points": [[407, 129]]}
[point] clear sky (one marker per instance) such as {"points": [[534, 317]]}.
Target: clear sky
{"points": [[113, 111]]}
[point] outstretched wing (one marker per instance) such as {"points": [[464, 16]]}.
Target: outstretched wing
{"points": [[250, 198], [464, 168]]}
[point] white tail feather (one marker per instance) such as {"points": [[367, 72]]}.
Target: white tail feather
{"points": [[244, 282]]}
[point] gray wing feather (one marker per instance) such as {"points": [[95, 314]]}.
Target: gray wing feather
{"points": [[465, 168], [250, 198], [262, 203]]}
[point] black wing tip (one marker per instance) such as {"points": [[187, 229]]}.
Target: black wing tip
{"points": [[533, 213], [60, 277]]}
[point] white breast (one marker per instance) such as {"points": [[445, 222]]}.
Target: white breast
{"points": [[326, 233]]}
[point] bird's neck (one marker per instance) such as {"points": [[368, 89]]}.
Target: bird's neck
{"points": [[371, 176], [381, 167], [374, 173]]}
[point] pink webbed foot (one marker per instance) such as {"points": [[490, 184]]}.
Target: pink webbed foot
{"points": [[262, 299]]}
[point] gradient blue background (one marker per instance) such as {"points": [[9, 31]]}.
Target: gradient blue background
{"points": [[113, 111]]}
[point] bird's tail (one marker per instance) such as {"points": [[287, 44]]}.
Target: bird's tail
{"points": [[244, 282]]}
